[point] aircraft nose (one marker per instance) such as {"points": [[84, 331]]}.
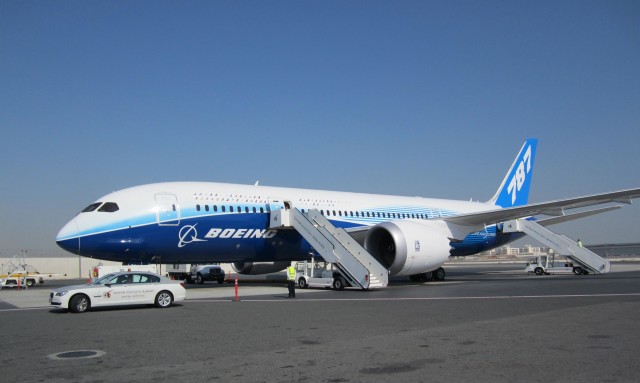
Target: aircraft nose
{"points": [[68, 238]]}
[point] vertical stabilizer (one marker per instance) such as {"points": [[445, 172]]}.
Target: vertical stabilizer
{"points": [[514, 190]]}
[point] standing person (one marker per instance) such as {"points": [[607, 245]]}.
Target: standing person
{"points": [[580, 242], [291, 281]]}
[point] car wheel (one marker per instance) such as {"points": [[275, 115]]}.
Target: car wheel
{"points": [[221, 281], [199, 279], [539, 271], [30, 282], [79, 303], [338, 284], [302, 283], [164, 299], [577, 270]]}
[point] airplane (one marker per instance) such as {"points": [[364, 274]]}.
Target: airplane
{"points": [[206, 222]]}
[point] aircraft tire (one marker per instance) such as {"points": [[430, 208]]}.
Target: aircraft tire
{"points": [[438, 274]]}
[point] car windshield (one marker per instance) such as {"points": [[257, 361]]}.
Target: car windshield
{"points": [[103, 280]]}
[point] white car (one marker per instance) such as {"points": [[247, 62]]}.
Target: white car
{"points": [[123, 288]]}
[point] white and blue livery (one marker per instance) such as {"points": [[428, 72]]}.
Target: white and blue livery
{"points": [[205, 222]]}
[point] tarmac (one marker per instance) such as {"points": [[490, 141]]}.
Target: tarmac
{"points": [[484, 323]]}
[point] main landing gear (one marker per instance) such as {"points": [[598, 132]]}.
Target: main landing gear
{"points": [[435, 275]]}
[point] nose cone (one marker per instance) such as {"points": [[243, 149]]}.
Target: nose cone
{"points": [[68, 238]]}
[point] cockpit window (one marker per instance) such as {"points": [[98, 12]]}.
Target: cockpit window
{"points": [[91, 207], [109, 207]]}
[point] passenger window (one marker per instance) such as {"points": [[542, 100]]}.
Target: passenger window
{"points": [[246, 209], [123, 279], [254, 209], [109, 207], [197, 207], [261, 210], [231, 209], [139, 278], [91, 207], [215, 208], [223, 208], [206, 207]]}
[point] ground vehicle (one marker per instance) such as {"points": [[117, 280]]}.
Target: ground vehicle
{"points": [[207, 273], [122, 288], [179, 271], [21, 279], [319, 274], [546, 264], [188, 272]]}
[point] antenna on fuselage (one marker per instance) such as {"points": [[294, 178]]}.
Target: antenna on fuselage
{"points": [[257, 182]]}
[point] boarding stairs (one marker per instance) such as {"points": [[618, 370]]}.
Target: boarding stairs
{"points": [[12, 268], [561, 244], [334, 245]]}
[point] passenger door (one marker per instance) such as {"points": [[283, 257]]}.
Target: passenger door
{"points": [[167, 209]]}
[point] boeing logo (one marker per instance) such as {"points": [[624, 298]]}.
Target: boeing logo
{"points": [[188, 234]]}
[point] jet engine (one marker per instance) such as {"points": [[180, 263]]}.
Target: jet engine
{"points": [[409, 247], [256, 268]]}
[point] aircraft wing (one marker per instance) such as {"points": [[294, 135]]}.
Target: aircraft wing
{"points": [[553, 208]]}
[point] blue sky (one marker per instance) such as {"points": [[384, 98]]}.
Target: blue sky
{"points": [[428, 98]]}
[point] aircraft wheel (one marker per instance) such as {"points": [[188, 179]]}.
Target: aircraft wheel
{"points": [[438, 274]]}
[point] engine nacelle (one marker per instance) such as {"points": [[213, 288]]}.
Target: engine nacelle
{"points": [[409, 247], [256, 268]]}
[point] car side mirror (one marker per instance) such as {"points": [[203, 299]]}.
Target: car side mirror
{"points": [[108, 284]]}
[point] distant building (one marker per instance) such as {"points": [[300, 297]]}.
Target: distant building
{"points": [[603, 250]]}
